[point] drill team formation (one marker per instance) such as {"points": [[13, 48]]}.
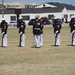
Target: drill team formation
{"points": [[37, 31]]}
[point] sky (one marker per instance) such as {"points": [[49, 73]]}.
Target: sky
{"points": [[42, 1]]}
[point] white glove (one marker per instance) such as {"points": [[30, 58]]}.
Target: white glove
{"points": [[2, 33], [58, 26], [73, 31], [56, 32], [20, 33]]}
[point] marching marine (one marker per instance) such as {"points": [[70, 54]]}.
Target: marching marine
{"points": [[72, 26], [57, 27], [4, 27], [21, 26], [37, 31]]}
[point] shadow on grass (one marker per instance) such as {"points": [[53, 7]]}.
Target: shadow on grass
{"points": [[70, 45], [35, 46], [55, 45]]}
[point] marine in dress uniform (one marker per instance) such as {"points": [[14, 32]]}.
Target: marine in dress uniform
{"points": [[4, 27], [37, 32], [72, 26], [21, 26], [57, 27]]}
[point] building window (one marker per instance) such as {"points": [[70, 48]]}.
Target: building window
{"points": [[28, 6], [71, 15], [34, 6], [51, 17], [0, 5], [13, 18], [66, 18], [25, 6], [26, 17]]}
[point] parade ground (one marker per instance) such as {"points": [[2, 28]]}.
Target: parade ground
{"points": [[47, 60]]}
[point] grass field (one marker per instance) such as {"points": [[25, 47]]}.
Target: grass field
{"points": [[47, 60]]}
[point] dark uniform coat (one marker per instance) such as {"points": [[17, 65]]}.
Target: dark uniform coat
{"points": [[57, 26], [36, 28], [72, 24], [21, 26], [4, 27]]}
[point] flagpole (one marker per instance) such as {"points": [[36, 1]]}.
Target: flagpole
{"points": [[2, 8]]}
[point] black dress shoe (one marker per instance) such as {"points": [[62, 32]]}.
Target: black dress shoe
{"points": [[57, 45], [37, 47]]}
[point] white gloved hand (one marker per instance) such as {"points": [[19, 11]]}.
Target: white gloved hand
{"points": [[56, 32], [20, 33], [73, 31], [58, 26], [2, 33]]}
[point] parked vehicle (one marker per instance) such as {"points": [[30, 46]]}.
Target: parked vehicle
{"points": [[57, 19], [31, 22], [13, 23], [45, 20]]}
